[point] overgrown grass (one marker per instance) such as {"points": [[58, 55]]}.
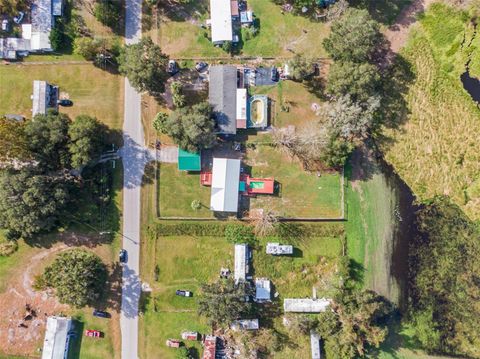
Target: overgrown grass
{"points": [[436, 152], [93, 91], [302, 194]]}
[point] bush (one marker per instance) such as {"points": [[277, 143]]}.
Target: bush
{"points": [[7, 248], [240, 233], [56, 38], [108, 12], [197, 229]]}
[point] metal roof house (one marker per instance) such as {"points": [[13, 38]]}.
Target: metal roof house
{"points": [[315, 345], [57, 336], [225, 185], [306, 305], [44, 97], [263, 290], [245, 324], [221, 21], [242, 260], [210, 347], [222, 96], [188, 161], [42, 24], [279, 249]]}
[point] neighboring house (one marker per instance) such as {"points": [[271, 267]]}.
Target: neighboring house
{"points": [[221, 21], [242, 260], [306, 305], [263, 291], [315, 345], [225, 185], [279, 249], [245, 324], [188, 161], [44, 96], [222, 96], [210, 347], [57, 337]]}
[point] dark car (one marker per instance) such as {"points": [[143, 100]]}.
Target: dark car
{"points": [[183, 293], [200, 66], [122, 256], [274, 74], [66, 103], [101, 314], [172, 68]]}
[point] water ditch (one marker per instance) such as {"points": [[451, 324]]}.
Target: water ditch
{"points": [[471, 84]]}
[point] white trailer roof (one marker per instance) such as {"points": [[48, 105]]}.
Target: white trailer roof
{"points": [[241, 104], [306, 305], [241, 262], [221, 20], [245, 324], [225, 185], [55, 345], [39, 97], [315, 345]]}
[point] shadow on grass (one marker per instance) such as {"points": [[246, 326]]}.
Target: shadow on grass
{"points": [[383, 11], [177, 12], [76, 342]]}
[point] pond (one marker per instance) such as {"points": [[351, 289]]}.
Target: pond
{"points": [[471, 85]]}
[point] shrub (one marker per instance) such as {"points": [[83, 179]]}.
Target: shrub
{"points": [[108, 12], [7, 248], [239, 233]]}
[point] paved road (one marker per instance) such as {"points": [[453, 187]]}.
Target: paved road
{"points": [[134, 159]]}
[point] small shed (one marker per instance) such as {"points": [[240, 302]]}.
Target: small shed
{"points": [[263, 290], [245, 324], [188, 161], [279, 249], [315, 345]]}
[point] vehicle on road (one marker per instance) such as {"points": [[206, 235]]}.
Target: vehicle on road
{"points": [[65, 103], [93, 333], [172, 67], [183, 293], [122, 256], [173, 343], [200, 66], [101, 314]]}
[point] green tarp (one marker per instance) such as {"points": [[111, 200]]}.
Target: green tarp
{"points": [[188, 161]]}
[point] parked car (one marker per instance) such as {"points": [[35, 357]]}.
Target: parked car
{"points": [[274, 74], [93, 333], [183, 293], [122, 256], [18, 19], [65, 102], [173, 343], [101, 314], [200, 66], [172, 68]]}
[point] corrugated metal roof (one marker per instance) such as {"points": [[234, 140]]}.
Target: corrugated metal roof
{"points": [[55, 345], [315, 345], [221, 20], [225, 185], [223, 97], [306, 305], [241, 262]]}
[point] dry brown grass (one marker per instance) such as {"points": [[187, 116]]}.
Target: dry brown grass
{"points": [[436, 152]]}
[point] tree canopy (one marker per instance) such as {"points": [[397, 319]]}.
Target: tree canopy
{"points": [[354, 37], [78, 276], [30, 202], [144, 65], [191, 128], [300, 67], [224, 301], [87, 137], [48, 139], [13, 141]]}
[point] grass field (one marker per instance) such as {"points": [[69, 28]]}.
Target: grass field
{"points": [[93, 91], [177, 189], [302, 194], [436, 151], [184, 37]]}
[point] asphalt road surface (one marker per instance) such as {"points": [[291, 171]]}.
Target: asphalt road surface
{"points": [[134, 159]]}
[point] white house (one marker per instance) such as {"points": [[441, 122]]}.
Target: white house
{"points": [[57, 336], [221, 21], [225, 185]]}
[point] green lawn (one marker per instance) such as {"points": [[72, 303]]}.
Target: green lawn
{"points": [[93, 91], [182, 37], [185, 263], [302, 194], [177, 189]]}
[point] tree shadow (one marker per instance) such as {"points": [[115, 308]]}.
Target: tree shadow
{"points": [[178, 12], [383, 11], [76, 341]]}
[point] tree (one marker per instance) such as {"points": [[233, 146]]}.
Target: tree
{"points": [[352, 120], [144, 65], [86, 47], [300, 67], [225, 301], [191, 128], [227, 46], [177, 94], [336, 152], [196, 205], [264, 222], [354, 37], [87, 137], [108, 12], [56, 37], [13, 141], [48, 139], [360, 81], [159, 122], [30, 203], [13, 7], [239, 233], [182, 353], [78, 276]]}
